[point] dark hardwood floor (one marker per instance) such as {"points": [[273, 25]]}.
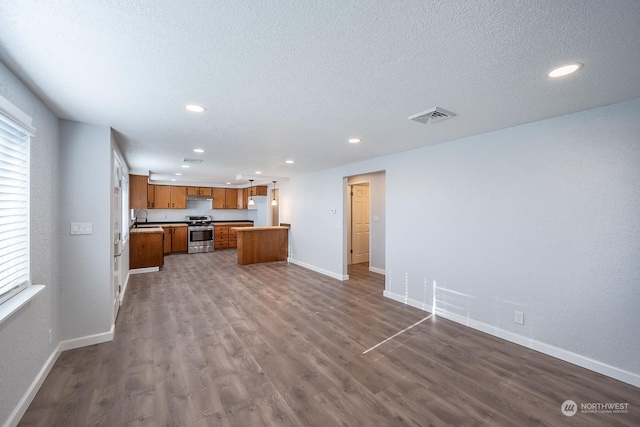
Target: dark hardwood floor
{"points": [[206, 342]]}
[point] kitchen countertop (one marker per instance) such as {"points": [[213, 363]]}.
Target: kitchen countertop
{"points": [[147, 230], [275, 227]]}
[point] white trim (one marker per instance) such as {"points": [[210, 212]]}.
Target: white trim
{"points": [[17, 118], [18, 301], [144, 270], [124, 287], [377, 270], [88, 340], [337, 276], [22, 406], [548, 349]]}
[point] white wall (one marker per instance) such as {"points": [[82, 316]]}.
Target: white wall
{"points": [[85, 172], [540, 218], [24, 346]]}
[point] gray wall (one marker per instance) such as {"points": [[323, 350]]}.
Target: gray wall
{"points": [[24, 346], [85, 170], [540, 218]]}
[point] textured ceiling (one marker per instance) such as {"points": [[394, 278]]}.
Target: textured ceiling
{"points": [[291, 79]]}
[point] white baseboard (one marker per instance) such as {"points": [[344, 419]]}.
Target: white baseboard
{"points": [[548, 349], [88, 340], [124, 287], [342, 277], [377, 270], [405, 300], [27, 398], [144, 270]]}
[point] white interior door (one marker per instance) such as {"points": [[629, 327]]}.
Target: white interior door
{"points": [[116, 233], [360, 226]]}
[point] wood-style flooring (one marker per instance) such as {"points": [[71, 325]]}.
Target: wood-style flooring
{"points": [[207, 342]]}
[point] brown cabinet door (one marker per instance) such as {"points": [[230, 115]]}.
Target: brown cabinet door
{"points": [[167, 240], [151, 196], [193, 191], [261, 190], [163, 197], [179, 239], [205, 191], [243, 194], [178, 197], [138, 191], [146, 250], [218, 198], [231, 198]]}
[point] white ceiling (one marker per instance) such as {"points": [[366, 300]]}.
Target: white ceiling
{"points": [[292, 79]]}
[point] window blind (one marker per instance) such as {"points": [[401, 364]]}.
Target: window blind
{"points": [[14, 210]]}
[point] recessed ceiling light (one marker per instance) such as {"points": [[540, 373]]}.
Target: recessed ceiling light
{"points": [[198, 150], [258, 172], [194, 108], [173, 179], [354, 140], [289, 161], [228, 183], [565, 70], [185, 166], [178, 173]]}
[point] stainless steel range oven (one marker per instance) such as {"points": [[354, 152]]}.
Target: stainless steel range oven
{"points": [[200, 230]]}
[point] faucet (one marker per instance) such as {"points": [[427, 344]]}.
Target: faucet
{"points": [[137, 212]]}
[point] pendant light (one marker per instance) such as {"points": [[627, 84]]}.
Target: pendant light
{"points": [[274, 202], [251, 202]]}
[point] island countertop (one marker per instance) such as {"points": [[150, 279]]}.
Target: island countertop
{"points": [[246, 229]]}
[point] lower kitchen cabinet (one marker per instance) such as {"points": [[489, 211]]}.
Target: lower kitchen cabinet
{"points": [[225, 237], [175, 239], [146, 250]]}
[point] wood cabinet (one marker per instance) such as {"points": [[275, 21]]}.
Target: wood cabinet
{"points": [[224, 198], [176, 239], [146, 250], [151, 196], [138, 188], [179, 239], [170, 197], [199, 191], [225, 237], [258, 190], [243, 198], [220, 236], [231, 198], [263, 244], [178, 197]]}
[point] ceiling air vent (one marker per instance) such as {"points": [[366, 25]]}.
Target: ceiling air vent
{"points": [[435, 114], [192, 161]]}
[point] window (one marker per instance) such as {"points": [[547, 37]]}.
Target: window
{"points": [[14, 201]]}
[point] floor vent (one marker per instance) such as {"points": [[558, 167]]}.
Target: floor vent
{"points": [[192, 161], [433, 115]]}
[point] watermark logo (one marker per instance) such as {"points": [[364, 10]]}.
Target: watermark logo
{"points": [[569, 408]]}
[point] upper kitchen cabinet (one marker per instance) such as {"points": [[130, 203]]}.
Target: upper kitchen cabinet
{"points": [[225, 198], [199, 191], [138, 188], [151, 196], [258, 190], [169, 197], [243, 198]]}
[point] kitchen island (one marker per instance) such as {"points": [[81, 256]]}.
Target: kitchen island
{"points": [[262, 244]]}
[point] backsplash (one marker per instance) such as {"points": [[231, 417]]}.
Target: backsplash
{"points": [[196, 207]]}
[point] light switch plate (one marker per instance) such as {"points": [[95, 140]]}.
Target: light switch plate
{"points": [[81, 228]]}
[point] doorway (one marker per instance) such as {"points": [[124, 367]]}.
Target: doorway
{"points": [[360, 226]]}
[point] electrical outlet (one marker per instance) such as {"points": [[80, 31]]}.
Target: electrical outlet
{"points": [[50, 336], [518, 317]]}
